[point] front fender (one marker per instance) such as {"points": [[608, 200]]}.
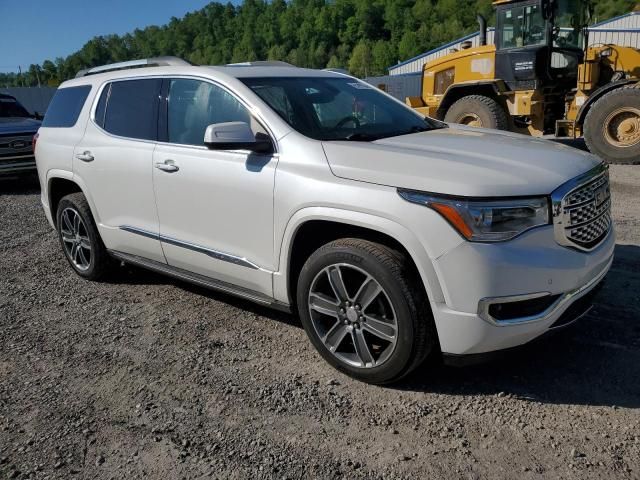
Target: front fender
{"points": [[382, 225], [597, 94]]}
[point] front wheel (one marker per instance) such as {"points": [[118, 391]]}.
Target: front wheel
{"points": [[612, 126], [363, 310]]}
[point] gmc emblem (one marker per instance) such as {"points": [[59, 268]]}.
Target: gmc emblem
{"points": [[18, 144]]}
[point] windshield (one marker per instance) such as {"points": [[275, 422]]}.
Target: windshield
{"points": [[521, 26], [10, 107], [338, 108], [570, 18]]}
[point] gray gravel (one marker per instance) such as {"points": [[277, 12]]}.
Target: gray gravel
{"points": [[146, 377]]}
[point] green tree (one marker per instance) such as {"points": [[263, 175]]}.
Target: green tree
{"points": [[360, 63], [383, 56], [365, 35]]}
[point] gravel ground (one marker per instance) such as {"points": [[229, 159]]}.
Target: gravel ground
{"points": [[143, 376]]}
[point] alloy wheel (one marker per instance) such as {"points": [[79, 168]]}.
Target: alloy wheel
{"points": [[75, 239], [353, 316]]}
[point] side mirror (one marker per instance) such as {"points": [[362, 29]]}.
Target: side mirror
{"points": [[236, 136], [38, 115]]}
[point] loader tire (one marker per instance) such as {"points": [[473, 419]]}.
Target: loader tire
{"points": [[478, 111], [612, 126]]}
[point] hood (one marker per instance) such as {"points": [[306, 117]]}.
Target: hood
{"points": [[461, 161], [9, 125]]}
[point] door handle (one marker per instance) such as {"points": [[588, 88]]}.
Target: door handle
{"points": [[167, 166], [85, 156]]}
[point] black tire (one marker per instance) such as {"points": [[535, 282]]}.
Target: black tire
{"points": [[600, 133], [99, 262], [480, 109], [415, 336]]}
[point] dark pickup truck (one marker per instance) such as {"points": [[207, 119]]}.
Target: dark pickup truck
{"points": [[17, 128]]}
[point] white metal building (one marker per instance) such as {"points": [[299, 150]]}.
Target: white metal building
{"points": [[623, 30]]}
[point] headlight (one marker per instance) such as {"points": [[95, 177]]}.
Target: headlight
{"points": [[486, 220]]}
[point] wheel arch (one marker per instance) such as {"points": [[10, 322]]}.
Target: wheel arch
{"points": [[597, 95], [61, 183], [313, 227]]}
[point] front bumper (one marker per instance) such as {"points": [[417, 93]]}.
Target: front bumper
{"points": [[475, 275]]}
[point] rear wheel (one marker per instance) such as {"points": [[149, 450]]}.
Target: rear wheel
{"points": [[361, 307], [612, 126], [80, 239], [478, 111]]}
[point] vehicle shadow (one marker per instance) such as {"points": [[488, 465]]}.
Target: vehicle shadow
{"points": [[133, 275], [26, 184], [594, 362]]}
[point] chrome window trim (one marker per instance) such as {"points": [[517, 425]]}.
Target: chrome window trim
{"points": [[564, 299], [251, 108], [559, 194], [218, 255]]}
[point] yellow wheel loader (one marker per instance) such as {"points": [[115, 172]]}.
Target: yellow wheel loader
{"points": [[541, 77]]}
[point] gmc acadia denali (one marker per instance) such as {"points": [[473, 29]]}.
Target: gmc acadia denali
{"points": [[392, 235]]}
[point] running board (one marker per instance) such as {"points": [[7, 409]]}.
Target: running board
{"points": [[201, 280]]}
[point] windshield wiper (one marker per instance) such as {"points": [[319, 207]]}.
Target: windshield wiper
{"points": [[358, 137], [416, 129], [369, 137], [362, 137]]}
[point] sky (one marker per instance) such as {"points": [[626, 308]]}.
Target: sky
{"points": [[32, 31]]}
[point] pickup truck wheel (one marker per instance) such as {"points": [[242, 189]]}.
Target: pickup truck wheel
{"points": [[363, 310], [612, 126], [80, 239], [478, 111]]}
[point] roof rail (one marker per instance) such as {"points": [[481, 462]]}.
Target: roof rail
{"points": [[261, 63], [336, 70], [145, 62]]}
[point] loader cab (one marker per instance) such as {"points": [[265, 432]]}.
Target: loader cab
{"points": [[540, 43]]}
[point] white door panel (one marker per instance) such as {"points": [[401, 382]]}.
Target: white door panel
{"points": [[216, 213], [119, 179]]}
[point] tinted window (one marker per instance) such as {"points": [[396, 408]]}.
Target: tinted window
{"points": [[10, 107], [194, 105], [65, 106], [328, 108], [131, 109]]}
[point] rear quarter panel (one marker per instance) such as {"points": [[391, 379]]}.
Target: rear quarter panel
{"points": [[54, 149]]}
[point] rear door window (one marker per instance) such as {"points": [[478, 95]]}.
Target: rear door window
{"points": [[65, 107], [130, 108]]}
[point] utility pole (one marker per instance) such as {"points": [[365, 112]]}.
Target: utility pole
{"points": [[20, 75]]}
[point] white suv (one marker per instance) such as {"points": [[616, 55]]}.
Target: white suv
{"points": [[392, 235]]}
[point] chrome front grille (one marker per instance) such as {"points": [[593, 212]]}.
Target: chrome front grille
{"points": [[582, 210], [16, 144]]}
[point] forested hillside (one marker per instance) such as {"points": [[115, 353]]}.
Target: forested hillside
{"points": [[364, 36]]}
